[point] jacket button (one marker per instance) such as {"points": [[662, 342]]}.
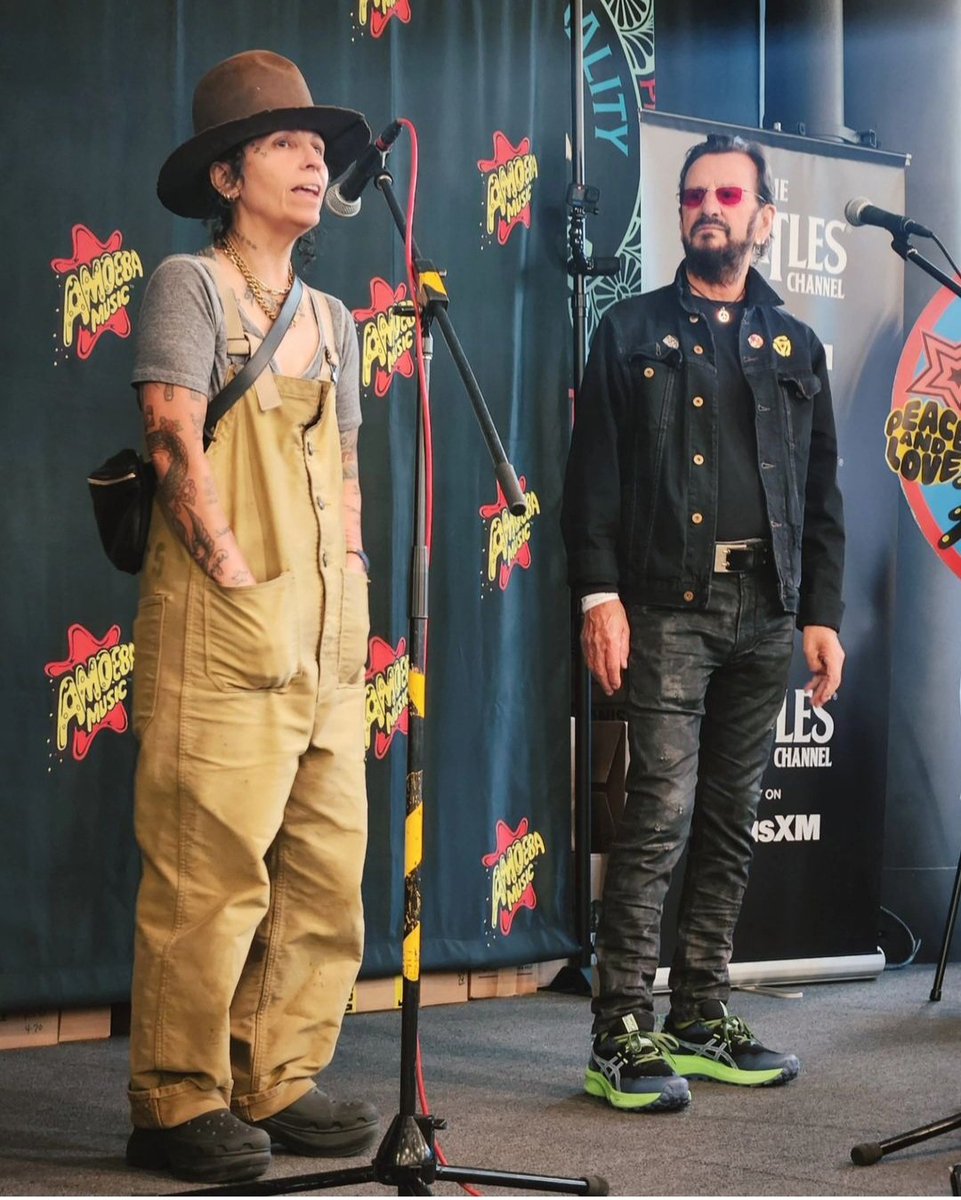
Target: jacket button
{"points": [[698, 349], [699, 460], [320, 503], [310, 447], [689, 596], [323, 558], [698, 401], [693, 320], [697, 518], [648, 372]]}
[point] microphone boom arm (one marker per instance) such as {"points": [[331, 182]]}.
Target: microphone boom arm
{"points": [[902, 247], [436, 308]]}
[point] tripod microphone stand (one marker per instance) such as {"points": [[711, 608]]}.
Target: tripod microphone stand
{"points": [[407, 1156]]}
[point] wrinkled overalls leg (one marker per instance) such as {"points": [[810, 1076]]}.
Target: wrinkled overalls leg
{"points": [[250, 791]]}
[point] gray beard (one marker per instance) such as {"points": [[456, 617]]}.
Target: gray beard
{"points": [[717, 264]]}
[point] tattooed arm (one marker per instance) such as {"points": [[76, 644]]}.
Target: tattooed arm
{"points": [[351, 474], [174, 418]]}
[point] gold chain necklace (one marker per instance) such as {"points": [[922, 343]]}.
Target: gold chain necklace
{"points": [[268, 299], [723, 313]]}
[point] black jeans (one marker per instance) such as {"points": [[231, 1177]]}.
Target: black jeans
{"points": [[704, 693]]}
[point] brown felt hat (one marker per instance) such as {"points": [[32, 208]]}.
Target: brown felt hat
{"points": [[244, 97]]}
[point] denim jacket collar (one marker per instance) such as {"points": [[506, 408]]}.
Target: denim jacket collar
{"points": [[759, 291]]}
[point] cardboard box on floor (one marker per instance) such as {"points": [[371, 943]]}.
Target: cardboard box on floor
{"points": [[21, 1031], [380, 995], [489, 982], [84, 1024]]}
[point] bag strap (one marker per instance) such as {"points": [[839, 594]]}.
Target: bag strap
{"points": [[229, 396]]}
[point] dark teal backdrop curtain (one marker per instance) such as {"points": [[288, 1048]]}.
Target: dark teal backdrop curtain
{"points": [[96, 95]]}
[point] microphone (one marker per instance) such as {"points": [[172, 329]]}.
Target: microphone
{"points": [[862, 212], [343, 199]]}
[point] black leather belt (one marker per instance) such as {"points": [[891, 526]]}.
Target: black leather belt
{"points": [[742, 556]]}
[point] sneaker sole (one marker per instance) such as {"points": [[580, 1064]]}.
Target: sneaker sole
{"points": [[693, 1066], [673, 1095]]}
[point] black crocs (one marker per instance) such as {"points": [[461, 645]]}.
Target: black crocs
{"points": [[215, 1147], [315, 1124]]}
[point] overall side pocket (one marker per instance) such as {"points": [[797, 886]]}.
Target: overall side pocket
{"points": [[354, 628], [147, 643]]}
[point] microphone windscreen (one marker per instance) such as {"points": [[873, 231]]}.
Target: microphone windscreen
{"points": [[854, 208]]}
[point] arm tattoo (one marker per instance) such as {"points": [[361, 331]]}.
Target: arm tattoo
{"points": [[348, 454], [178, 494]]}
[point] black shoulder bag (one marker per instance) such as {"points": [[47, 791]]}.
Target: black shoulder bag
{"points": [[122, 488]]}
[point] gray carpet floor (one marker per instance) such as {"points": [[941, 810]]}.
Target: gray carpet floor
{"points": [[878, 1058]]}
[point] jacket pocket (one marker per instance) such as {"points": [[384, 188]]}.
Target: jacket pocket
{"points": [[147, 643], [354, 628], [251, 635]]}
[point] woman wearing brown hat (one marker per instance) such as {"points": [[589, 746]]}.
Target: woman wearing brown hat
{"points": [[251, 640]]}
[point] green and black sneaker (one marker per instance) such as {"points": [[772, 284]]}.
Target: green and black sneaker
{"points": [[630, 1067], [720, 1046]]}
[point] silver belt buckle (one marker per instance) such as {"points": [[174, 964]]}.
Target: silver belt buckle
{"points": [[722, 553]]}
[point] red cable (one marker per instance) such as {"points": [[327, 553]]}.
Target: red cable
{"points": [[429, 499], [419, 337], [425, 1109]]}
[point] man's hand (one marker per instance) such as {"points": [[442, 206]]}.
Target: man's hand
{"points": [[825, 658], [606, 643]]}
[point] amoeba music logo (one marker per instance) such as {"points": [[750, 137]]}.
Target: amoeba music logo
{"points": [[512, 866], [92, 689]]}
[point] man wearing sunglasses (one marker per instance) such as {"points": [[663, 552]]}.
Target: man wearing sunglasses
{"points": [[703, 521]]}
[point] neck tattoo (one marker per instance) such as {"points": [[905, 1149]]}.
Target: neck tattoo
{"points": [[269, 299], [723, 313]]}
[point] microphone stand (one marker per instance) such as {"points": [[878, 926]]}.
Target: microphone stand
{"points": [[407, 1157], [866, 1154], [902, 247]]}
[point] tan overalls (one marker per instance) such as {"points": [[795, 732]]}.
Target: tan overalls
{"points": [[251, 809]]}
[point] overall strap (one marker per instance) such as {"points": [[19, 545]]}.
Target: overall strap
{"points": [[331, 358], [252, 369]]}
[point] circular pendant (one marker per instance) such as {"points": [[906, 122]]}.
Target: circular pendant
{"points": [[723, 315]]}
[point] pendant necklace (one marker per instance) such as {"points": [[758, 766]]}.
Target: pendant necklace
{"points": [[723, 314], [268, 299]]}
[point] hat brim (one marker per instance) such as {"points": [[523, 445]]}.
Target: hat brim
{"points": [[184, 181]]}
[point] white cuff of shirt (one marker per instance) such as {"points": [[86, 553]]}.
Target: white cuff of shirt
{"points": [[595, 598]]}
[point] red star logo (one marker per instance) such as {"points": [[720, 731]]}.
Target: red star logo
{"points": [[86, 248], [82, 646], [400, 10], [382, 299], [505, 153], [941, 378], [523, 557], [505, 837], [382, 657]]}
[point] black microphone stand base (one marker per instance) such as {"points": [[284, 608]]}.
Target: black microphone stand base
{"points": [[407, 1159]]}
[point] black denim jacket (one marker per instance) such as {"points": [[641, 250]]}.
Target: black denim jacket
{"points": [[640, 495]]}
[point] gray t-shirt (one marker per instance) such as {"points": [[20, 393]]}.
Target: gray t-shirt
{"points": [[182, 336]]}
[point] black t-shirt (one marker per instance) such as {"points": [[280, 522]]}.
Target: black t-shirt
{"points": [[741, 508]]}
